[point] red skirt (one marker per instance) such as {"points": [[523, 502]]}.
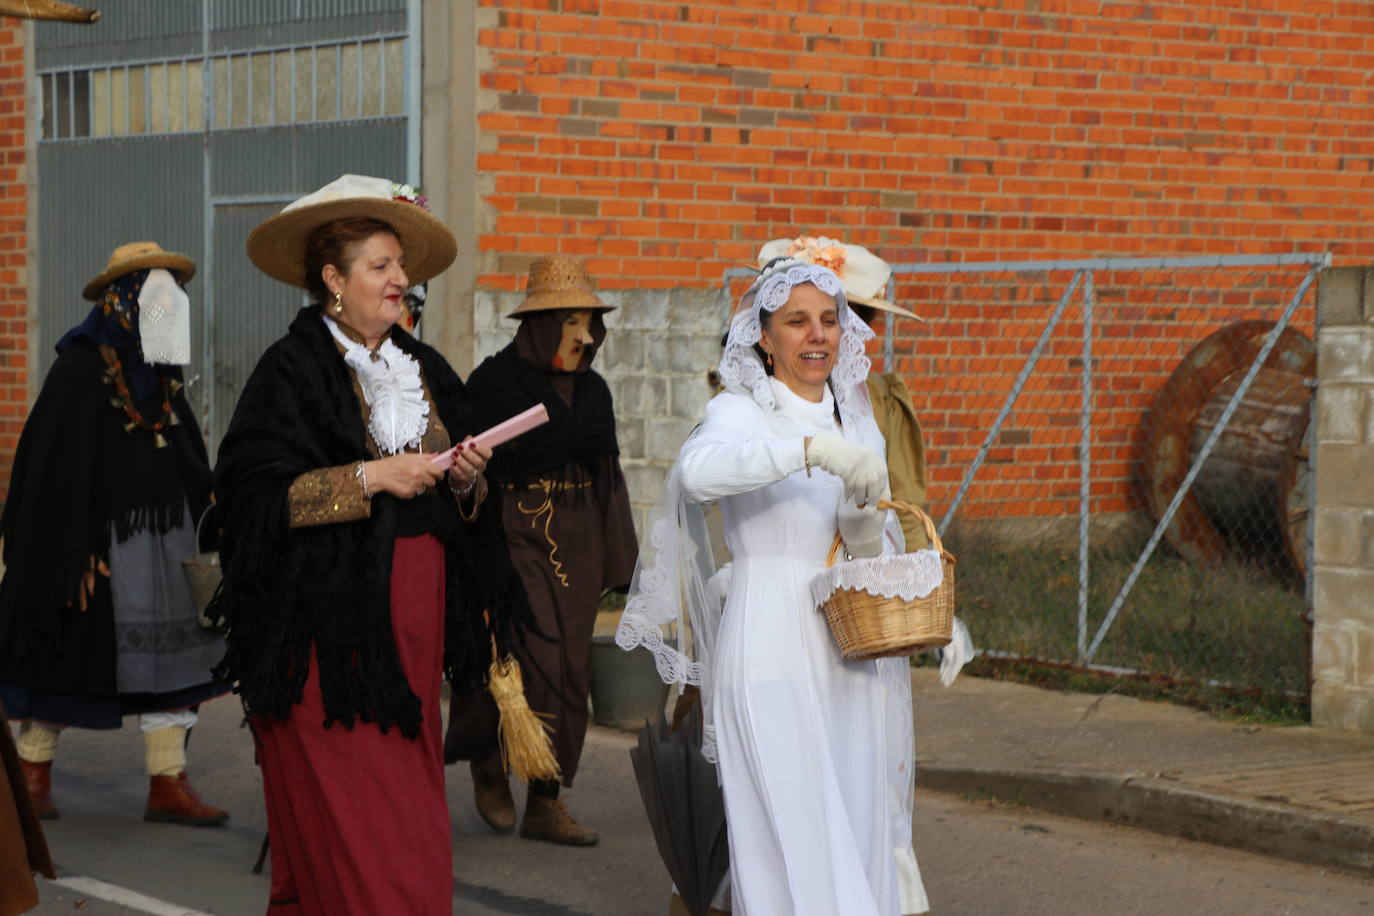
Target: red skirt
{"points": [[357, 819]]}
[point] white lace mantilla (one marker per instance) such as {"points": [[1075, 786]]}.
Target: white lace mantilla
{"points": [[393, 389], [908, 576], [741, 368]]}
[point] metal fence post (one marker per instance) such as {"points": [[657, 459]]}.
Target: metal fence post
{"points": [[1085, 460]]}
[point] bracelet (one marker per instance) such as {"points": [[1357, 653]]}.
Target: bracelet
{"points": [[360, 474], [467, 488]]}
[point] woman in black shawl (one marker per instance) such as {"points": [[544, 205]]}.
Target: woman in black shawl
{"points": [[567, 518], [96, 618], [357, 572]]}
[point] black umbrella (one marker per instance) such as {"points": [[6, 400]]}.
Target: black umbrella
{"points": [[685, 807]]}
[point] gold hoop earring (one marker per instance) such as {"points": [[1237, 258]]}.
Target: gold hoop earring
{"points": [[338, 303]]}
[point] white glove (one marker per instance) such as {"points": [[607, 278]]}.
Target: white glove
{"points": [[720, 582], [862, 529], [955, 655], [863, 471]]}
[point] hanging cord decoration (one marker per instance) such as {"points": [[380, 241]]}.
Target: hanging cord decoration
{"points": [[124, 400]]}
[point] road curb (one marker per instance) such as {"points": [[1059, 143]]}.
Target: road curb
{"points": [[1171, 807]]}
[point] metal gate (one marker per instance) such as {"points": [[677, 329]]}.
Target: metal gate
{"points": [[186, 122]]}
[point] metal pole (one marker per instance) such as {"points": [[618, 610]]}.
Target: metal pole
{"points": [[207, 277], [1206, 451], [889, 329], [413, 88], [1011, 399], [1227, 260], [1085, 430]]}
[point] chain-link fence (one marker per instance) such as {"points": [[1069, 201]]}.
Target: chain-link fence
{"points": [[1116, 456]]}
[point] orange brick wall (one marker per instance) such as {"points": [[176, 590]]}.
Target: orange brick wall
{"points": [[665, 141], [14, 298]]}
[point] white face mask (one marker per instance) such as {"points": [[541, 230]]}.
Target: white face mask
{"points": [[164, 320]]}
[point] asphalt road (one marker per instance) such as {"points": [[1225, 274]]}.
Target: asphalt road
{"points": [[976, 858]]}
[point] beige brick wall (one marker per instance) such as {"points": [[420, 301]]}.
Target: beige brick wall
{"points": [[1343, 593]]}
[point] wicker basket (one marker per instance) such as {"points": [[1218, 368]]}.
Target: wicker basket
{"points": [[203, 575], [872, 626]]}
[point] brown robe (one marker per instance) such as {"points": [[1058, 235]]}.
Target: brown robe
{"points": [[570, 542], [23, 850]]}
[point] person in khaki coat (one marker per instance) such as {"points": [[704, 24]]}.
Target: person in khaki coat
{"points": [[23, 850]]}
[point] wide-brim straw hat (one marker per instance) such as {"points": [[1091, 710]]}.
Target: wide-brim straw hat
{"points": [[559, 282], [137, 256], [863, 274], [277, 245]]}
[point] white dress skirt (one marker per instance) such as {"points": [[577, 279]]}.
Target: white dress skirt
{"points": [[803, 736]]}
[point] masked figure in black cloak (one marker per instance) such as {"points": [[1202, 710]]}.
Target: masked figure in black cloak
{"points": [[567, 517], [96, 616]]}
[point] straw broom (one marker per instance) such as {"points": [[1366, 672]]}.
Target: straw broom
{"points": [[526, 742]]}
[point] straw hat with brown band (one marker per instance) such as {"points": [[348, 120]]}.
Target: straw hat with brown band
{"points": [[277, 245], [559, 281], [138, 256], [863, 274]]}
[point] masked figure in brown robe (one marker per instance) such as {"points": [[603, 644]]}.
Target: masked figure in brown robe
{"points": [[567, 518]]}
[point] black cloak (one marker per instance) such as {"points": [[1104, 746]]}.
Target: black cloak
{"points": [[329, 585]]}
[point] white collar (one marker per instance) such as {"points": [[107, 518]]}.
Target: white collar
{"points": [[820, 414], [391, 384]]}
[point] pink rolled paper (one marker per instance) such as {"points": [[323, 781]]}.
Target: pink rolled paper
{"points": [[499, 434]]}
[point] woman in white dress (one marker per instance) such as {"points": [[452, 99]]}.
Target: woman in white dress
{"points": [[814, 752]]}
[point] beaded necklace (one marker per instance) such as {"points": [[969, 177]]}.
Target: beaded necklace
{"points": [[122, 399]]}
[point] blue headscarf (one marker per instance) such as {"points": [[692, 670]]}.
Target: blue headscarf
{"points": [[113, 321]]}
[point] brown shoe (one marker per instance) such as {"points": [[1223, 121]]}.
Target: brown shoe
{"points": [[547, 819], [491, 792], [38, 780], [173, 799]]}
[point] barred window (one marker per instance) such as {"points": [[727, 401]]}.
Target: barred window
{"points": [[326, 82]]}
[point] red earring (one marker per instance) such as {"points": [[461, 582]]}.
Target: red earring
{"points": [[770, 360]]}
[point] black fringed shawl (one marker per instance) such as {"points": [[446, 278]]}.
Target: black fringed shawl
{"points": [[329, 585], [579, 437], [77, 474]]}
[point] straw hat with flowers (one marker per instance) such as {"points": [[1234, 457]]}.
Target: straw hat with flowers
{"points": [[138, 256], [863, 274], [559, 282], [277, 245]]}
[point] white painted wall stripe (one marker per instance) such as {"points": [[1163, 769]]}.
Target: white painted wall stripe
{"points": [[113, 893]]}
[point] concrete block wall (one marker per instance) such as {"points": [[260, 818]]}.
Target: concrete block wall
{"points": [[659, 346], [1343, 590]]}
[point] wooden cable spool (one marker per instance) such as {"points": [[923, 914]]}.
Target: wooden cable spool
{"points": [[1251, 472]]}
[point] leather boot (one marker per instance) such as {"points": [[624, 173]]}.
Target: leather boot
{"points": [[547, 819], [491, 792], [173, 799], [38, 780]]}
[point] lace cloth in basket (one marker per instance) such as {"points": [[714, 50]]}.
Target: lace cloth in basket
{"points": [[908, 576]]}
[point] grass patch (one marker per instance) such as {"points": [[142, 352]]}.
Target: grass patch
{"points": [[1228, 636]]}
